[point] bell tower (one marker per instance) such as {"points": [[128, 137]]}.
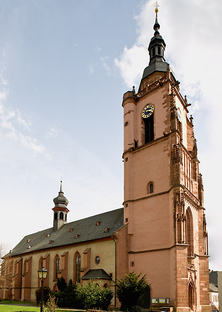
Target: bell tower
{"points": [[60, 210], [163, 189]]}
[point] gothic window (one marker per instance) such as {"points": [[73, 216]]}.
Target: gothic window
{"points": [[149, 131], [61, 215], [189, 233], [56, 267], [191, 295], [77, 267]]}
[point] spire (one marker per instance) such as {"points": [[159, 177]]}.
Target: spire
{"points": [[60, 209], [61, 186], [61, 200], [156, 26], [156, 50], [157, 45]]}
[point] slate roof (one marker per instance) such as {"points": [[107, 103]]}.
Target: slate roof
{"points": [[96, 273], [72, 233], [213, 278]]}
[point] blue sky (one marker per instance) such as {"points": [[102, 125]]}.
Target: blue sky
{"points": [[64, 66]]}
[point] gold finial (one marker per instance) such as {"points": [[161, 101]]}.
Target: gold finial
{"points": [[156, 5]]}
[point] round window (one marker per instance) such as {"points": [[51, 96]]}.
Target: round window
{"points": [[97, 260]]}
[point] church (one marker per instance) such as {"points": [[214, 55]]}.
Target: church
{"points": [[161, 229]]}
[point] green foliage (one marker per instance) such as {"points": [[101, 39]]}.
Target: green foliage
{"points": [[87, 296], [93, 296], [130, 289], [61, 284], [67, 297], [46, 294]]}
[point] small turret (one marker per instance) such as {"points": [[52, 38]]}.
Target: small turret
{"points": [[60, 209]]}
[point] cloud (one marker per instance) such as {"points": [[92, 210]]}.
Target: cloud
{"points": [[91, 67], [105, 65], [25, 122], [131, 64], [11, 120], [51, 133], [32, 144]]}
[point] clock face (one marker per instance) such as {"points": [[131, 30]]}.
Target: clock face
{"points": [[147, 111]]}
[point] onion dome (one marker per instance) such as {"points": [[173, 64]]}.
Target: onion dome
{"points": [[60, 200]]}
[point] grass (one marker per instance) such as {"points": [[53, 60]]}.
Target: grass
{"points": [[20, 306], [17, 308]]}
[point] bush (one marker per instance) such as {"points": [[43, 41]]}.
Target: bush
{"points": [[130, 289], [61, 284], [91, 296], [46, 294], [66, 296], [87, 296]]}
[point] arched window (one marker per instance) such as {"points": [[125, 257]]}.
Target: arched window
{"points": [[77, 267], [189, 233], [61, 216], [56, 267], [191, 295], [55, 215], [149, 131], [148, 123], [150, 187]]}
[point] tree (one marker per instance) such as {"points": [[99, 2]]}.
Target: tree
{"points": [[130, 289], [6, 273]]}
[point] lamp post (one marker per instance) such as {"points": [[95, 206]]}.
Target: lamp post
{"points": [[42, 275]]}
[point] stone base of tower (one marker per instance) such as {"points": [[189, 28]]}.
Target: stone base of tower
{"points": [[206, 308]]}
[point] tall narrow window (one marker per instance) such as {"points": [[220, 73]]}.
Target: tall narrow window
{"points": [[55, 215], [61, 215], [56, 267], [189, 232], [148, 119], [77, 267], [149, 133], [150, 188]]}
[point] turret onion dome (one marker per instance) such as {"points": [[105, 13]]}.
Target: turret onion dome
{"points": [[60, 200]]}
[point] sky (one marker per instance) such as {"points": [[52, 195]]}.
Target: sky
{"points": [[64, 67]]}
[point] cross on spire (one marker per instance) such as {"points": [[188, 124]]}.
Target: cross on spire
{"points": [[156, 6]]}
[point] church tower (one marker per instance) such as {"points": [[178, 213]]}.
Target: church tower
{"points": [[163, 189], [60, 210]]}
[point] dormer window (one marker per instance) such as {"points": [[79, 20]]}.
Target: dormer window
{"points": [[97, 223]]}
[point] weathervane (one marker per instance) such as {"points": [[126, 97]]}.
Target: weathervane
{"points": [[156, 5]]}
